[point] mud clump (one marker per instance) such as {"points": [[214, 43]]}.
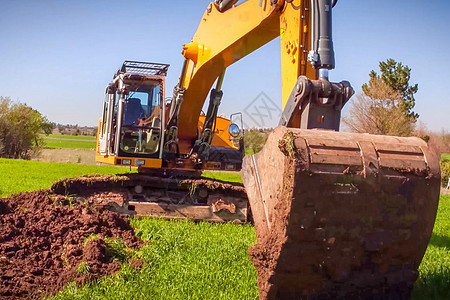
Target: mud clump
{"points": [[45, 244]]}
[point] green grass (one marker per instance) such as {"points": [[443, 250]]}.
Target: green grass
{"points": [[71, 137], [83, 268], [22, 175], [55, 141], [182, 260], [187, 260], [249, 152], [223, 176], [56, 144], [445, 156], [434, 280]]}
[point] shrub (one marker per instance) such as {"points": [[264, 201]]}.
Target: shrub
{"points": [[445, 171], [20, 126]]}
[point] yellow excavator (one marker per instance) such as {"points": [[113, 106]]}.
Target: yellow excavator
{"points": [[337, 215]]}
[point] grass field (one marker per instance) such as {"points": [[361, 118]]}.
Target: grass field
{"points": [[445, 156], [55, 141], [71, 137], [184, 260], [224, 176], [23, 175], [434, 280], [187, 260]]}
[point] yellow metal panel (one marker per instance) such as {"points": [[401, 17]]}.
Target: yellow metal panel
{"points": [[224, 38], [113, 160], [97, 145], [295, 45], [221, 135]]}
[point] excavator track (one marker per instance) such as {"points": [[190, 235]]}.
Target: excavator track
{"points": [[340, 215], [174, 197]]}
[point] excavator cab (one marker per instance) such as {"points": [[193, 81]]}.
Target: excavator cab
{"points": [[141, 128], [131, 128]]}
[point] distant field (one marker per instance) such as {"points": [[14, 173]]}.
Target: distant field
{"points": [[71, 137], [54, 141], [67, 155]]}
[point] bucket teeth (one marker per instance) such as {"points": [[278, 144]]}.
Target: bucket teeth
{"points": [[340, 214]]}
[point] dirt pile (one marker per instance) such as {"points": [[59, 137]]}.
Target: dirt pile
{"points": [[49, 240]]}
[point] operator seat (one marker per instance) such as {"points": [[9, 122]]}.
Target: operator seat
{"points": [[133, 110]]}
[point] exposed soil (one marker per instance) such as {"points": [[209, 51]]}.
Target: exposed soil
{"points": [[43, 241], [43, 234], [266, 253], [72, 156], [93, 183]]}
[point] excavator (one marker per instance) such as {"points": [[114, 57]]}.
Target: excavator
{"points": [[337, 215]]}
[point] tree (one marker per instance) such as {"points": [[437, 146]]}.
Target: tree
{"points": [[20, 126], [396, 76], [369, 115], [386, 105]]}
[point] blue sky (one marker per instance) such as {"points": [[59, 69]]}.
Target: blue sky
{"points": [[58, 56]]}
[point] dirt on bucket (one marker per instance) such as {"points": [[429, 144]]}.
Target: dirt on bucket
{"points": [[336, 221], [48, 240]]}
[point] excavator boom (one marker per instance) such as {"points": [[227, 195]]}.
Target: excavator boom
{"points": [[226, 34]]}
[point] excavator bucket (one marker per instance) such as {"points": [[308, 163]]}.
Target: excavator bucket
{"points": [[340, 215]]}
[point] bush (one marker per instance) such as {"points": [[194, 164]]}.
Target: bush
{"points": [[20, 126], [445, 171], [254, 140]]}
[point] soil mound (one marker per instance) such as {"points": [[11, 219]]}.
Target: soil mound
{"points": [[44, 245]]}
